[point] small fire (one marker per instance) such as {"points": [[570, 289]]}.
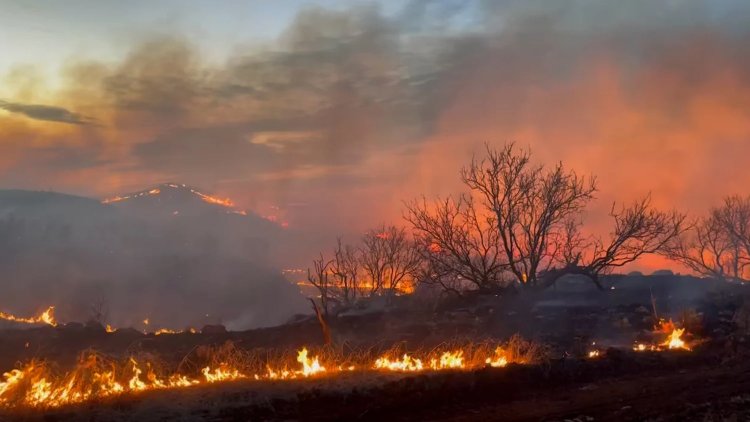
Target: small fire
{"points": [[593, 354], [46, 317], [225, 202], [109, 329], [310, 366], [406, 364], [161, 331], [673, 340], [447, 360], [499, 360]]}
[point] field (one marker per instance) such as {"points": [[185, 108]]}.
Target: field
{"points": [[708, 382]]}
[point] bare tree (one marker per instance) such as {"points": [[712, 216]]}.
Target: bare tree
{"points": [[345, 268], [713, 246], [639, 229], [389, 259], [99, 311], [319, 278], [734, 215], [457, 244], [530, 204]]}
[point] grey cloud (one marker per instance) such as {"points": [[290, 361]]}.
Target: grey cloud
{"points": [[46, 113]]}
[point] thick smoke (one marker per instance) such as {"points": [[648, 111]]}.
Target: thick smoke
{"points": [[350, 112], [171, 258]]}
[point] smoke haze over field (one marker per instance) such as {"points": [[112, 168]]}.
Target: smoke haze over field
{"points": [[335, 113]]}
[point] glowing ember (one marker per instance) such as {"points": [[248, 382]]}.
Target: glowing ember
{"points": [[46, 317], [593, 354]]}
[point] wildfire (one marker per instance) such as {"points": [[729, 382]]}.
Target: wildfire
{"points": [[447, 360], [161, 331], [499, 360], [309, 366], [46, 317], [226, 202], [35, 385], [407, 363], [673, 340]]}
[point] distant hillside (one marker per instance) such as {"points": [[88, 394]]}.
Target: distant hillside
{"points": [[170, 253]]}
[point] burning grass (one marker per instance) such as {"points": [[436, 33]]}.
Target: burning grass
{"points": [[46, 317], [673, 338], [39, 384]]}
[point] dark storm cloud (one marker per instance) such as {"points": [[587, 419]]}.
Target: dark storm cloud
{"points": [[46, 113]]}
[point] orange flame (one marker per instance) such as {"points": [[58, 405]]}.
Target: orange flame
{"points": [[46, 317], [34, 385]]}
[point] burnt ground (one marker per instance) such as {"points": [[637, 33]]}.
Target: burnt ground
{"points": [[709, 383]]}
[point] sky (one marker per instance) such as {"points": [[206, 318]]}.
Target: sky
{"points": [[338, 111]]}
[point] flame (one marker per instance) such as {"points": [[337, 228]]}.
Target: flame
{"points": [[34, 385], [674, 341], [115, 199], [406, 364], [499, 360], [447, 360], [46, 317], [109, 329], [222, 373], [226, 202], [309, 366]]}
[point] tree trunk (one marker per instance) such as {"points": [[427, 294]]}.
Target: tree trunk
{"points": [[323, 324]]}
